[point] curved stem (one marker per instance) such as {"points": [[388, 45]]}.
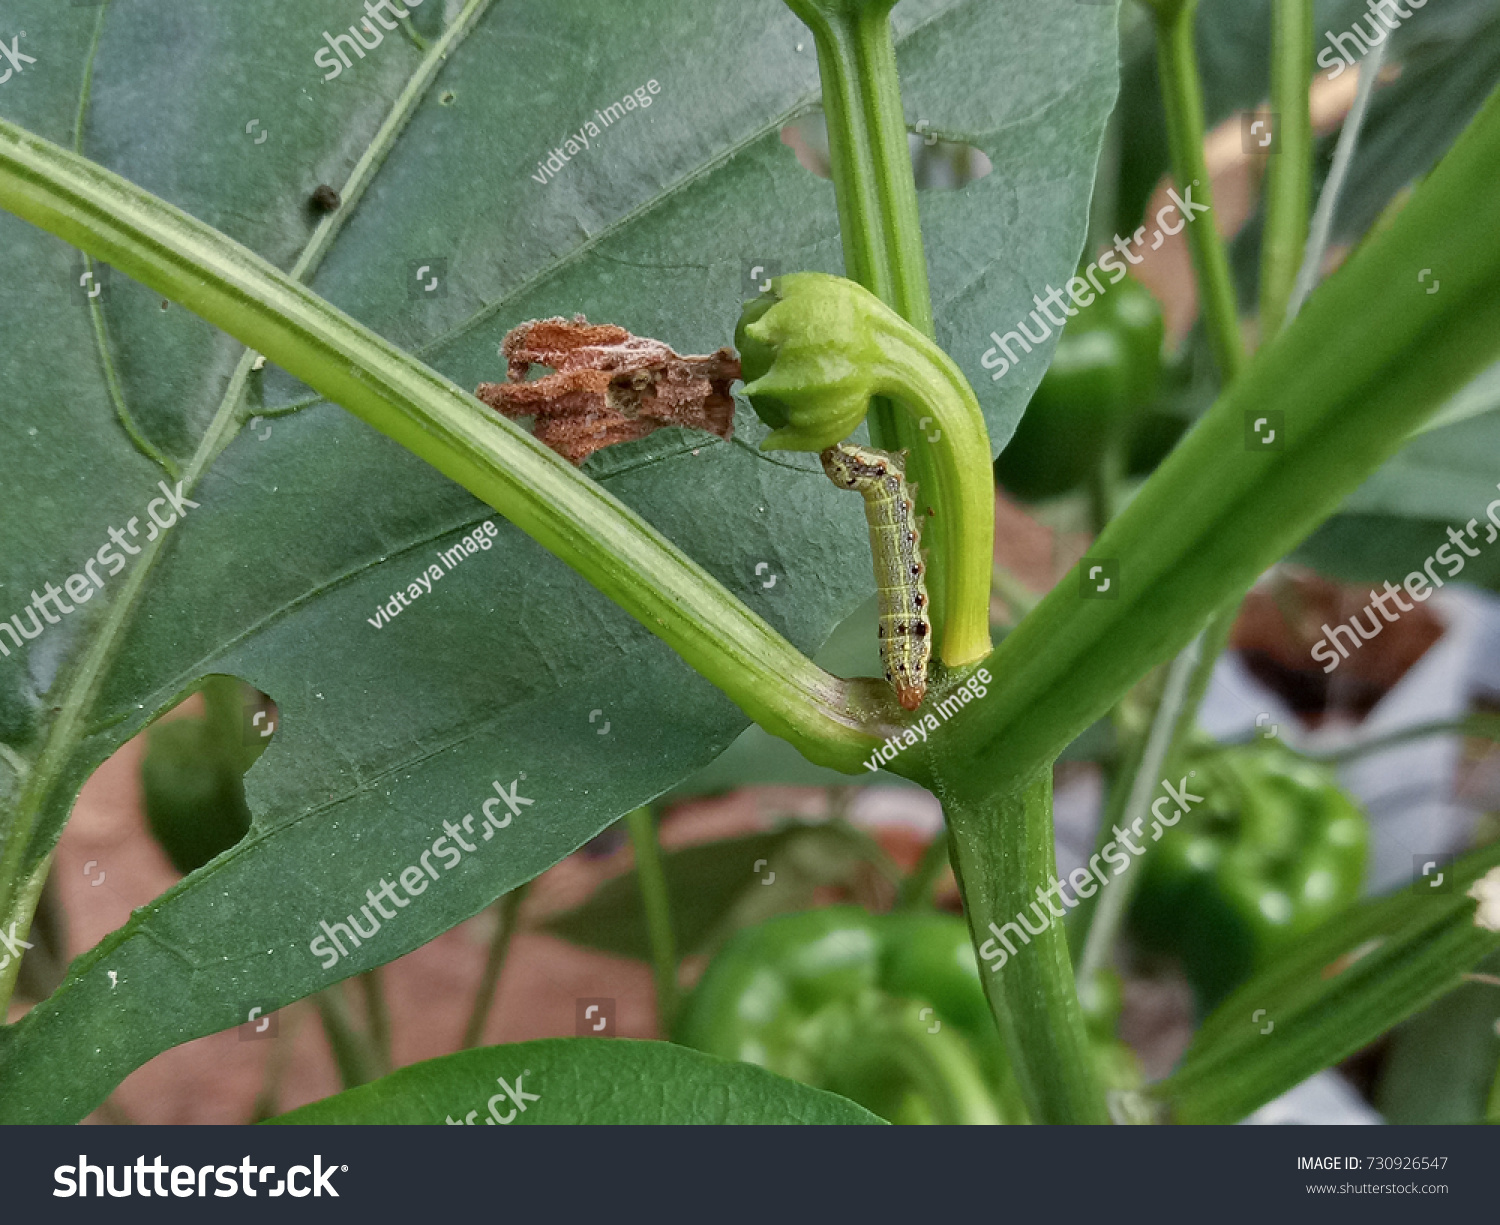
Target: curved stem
{"points": [[819, 351], [658, 907], [958, 452], [1182, 97], [1289, 177]]}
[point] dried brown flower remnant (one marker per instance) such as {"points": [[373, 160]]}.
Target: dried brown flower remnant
{"points": [[608, 386]]}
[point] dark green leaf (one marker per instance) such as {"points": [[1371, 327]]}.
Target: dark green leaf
{"points": [[583, 1080], [511, 672], [1441, 1063]]}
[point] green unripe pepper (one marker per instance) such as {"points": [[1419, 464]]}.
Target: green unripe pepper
{"points": [[885, 1009], [1274, 850], [1106, 369]]}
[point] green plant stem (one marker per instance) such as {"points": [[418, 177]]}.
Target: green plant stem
{"points": [[879, 222], [1106, 918], [377, 1018], [1182, 98], [507, 911], [352, 1054], [1333, 186], [653, 882], [1005, 859], [538, 491], [1353, 382], [916, 887], [1478, 724], [1289, 176], [823, 350]]}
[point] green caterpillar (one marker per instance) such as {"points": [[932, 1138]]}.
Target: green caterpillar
{"points": [[895, 543]]}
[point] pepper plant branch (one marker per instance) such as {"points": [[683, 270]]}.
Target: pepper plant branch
{"points": [[1289, 176], [1370, 355], [879, 224], [568, 514], [1182, 98], [1003, 847]]}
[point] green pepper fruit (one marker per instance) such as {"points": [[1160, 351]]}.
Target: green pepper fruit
{"points": [[1105, 370], [884, 1009], [1273, 851]]}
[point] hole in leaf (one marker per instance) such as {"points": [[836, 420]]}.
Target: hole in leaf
{"points": [[448, 98], [192, 777], [938, 164]]}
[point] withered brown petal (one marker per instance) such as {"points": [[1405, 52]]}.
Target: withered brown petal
{"points": [[608, 386]]}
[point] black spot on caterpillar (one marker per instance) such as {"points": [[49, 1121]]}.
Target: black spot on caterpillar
{"points": [[895, 544]]}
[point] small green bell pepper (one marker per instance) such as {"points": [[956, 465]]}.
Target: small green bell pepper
{"points": [[1106, 369], [1274, 850], [885, 1009]]}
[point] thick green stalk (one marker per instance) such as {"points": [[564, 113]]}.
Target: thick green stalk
{"points": [[658, 907], [1005, 858], [879, 223], [1289, 175], [1182, 98], [539, 492], [1349, 380]]}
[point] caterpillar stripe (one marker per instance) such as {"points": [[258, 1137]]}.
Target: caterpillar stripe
{"points": [[895, 543]]}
